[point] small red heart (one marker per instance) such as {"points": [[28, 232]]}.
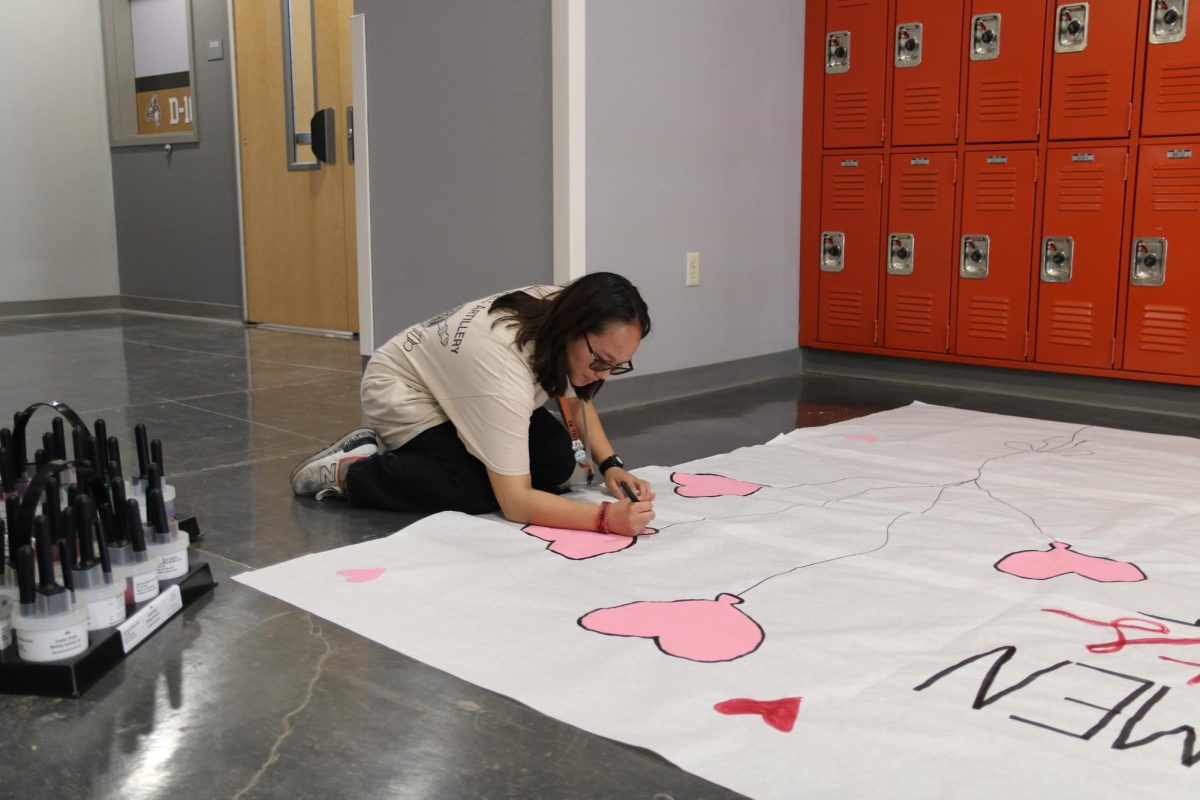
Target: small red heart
{"points": [[779, 714], [361, 575]]}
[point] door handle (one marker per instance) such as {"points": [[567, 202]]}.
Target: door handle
{"points": [[324, 135]]}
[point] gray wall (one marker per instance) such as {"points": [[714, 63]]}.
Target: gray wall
{"points": [[693, 144], [459, 93], [177, 215]]}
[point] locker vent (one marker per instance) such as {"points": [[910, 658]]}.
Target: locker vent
{"points": [[850, 109], [919, 190], [845, 308], [999, 101], [849, 192], [988, 318], [922, 105], [1176, 188], [914, 313], [1087, 94], [1180, 89], [1165, 329], [1081, 189], [1071, 324], [996, 190]]}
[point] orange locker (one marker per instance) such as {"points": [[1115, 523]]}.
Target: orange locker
{"points": [[918, 252], [927, 52], [1004, 83], [1164, 291], [1080, 255], [1171, 102], [994, 253], [1092, 83], [851, 194], [855, 53]]}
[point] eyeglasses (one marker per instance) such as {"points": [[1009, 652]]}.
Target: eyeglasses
{"points": [[600, 365]]}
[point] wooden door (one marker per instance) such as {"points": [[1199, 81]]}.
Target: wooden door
{"points": [[298, 224]]}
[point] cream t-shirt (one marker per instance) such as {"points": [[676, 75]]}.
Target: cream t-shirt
{"points": [[457, 367]]}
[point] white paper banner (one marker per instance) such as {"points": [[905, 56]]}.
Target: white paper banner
{"points": [[923, 603]]}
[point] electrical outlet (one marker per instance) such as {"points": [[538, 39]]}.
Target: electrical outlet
{"points": [[693, 269]]}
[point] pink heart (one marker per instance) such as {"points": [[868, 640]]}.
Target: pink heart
{"points": [[709, 485], [1039, 565], [779, 714], [361, 575], [576, 545], [868, 438], [698, 630]]}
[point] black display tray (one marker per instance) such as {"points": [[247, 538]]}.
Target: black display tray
{"points": [[71, 677]]}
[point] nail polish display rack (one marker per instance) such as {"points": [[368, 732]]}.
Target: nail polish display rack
{"points": [[107, 647]]}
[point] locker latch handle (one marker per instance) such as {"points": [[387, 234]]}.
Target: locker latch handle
{"points": [[1057, 259], [1168, 21], [1072, 28], [985, 37], [1149, 267], [833, 251], [908, 44], [900, 253], [973, 260], [837, 52]]}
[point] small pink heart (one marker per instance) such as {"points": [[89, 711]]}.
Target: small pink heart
{"points": [[868, 438], [708, 485], [576, 545], [361, 575]]}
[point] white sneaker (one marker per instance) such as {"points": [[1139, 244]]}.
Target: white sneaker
{"points": [[323, 474]]}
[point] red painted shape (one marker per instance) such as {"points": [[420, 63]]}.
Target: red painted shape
{"points": [[1120, 625], [779, 714], [1194, 681], [361, 575]]}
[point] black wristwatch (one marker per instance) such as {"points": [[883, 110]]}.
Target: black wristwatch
{"points": [[612, 461]]}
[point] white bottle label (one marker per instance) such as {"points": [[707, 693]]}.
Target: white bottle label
{"points": [[173, 565], [52, 645], [106, 613], [142, 587], [6, 633]]}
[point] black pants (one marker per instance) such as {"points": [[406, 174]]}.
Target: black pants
{"points": [[434, 471]]}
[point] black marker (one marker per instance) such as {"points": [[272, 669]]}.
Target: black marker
{"points": [[153, 479], [19, 449], [40, 459], [64, 558], [102, 456], [85, 521], [12, 509], [156, 511], [52, 508], [102, 548], [50, 595], [114, 453], [156, 456], [60, 438], [6, 473], [628, 492], [25, 579], [143, 448], [133, 526], [2, 554], [79, 446], [49, 446]]}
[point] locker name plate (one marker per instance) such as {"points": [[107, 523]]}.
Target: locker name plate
{"points": [[1057, 253], [985, 37], [997, 159], [833, 251], [1168, 21], [850, 162], [900, 253], [1077, 157], [973, 261], [909, 37], [837, 52], [1185, 153], [1071, 35], [1149, 266], [919, 162]]}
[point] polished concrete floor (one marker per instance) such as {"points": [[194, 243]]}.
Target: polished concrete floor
{"points": [[243, 696]]}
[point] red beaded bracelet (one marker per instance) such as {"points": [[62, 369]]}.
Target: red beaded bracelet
{"points": [[602, 518]]}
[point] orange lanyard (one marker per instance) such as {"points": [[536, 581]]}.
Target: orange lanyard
{"points": [[577, 446]]}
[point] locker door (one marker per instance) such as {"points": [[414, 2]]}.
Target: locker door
{"points": [[1161, 334], [1091, 88], [994, 254], [855, 53], [1005, 70], [1080, 256], [1171, 102], [927, 53], [851, 195], [918, 252]]}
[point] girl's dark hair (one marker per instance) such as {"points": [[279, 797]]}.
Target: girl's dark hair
{"points": [[584, 306]]}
